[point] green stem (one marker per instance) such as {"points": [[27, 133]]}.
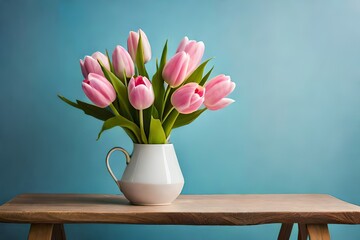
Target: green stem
{"points": [[113, 108], [115, 111], [125, 79], [141, 117], [167, 115], [167, 92], [169, 125], [143, 135]]}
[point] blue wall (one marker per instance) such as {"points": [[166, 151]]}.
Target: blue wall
{"points": [[295, 127]]}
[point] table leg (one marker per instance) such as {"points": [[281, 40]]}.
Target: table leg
{"points": [[46, 231], [285, 231], [303, 234], [40, 231], [318, 231], [58, 232]]}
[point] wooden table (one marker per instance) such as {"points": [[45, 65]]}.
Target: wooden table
{"points": [[312, 212]]}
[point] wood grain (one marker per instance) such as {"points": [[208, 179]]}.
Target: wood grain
{"points": [[285, 231], [58, 232], [318, 232], [40, 231], [186, 210], [302, 234]]}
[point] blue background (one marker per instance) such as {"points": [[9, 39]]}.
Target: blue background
{"points": [[295, 126]]}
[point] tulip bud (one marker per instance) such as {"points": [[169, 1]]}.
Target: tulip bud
{"points": [[122, 63], [216, 91], [141, 94], [132, 44], [90, 64], [188, 98], [102, 58], [175, 70], [194, 49], [99, 90]]}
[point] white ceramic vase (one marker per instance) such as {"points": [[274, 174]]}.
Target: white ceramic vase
{"points": [[152, 175]]}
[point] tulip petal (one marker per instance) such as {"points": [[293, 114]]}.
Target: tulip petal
{"points": [[220, 104], [218, 88], [220, 91], [95, 96], [83, 68], [104, 87], [188, 98], [175, 70], [141, 94], [92, 66], [181, 100], [103, 59], [122, 62], [146, 46], [196, 52], [182, 44], [216, 80], [141, 97], [132, 44], [99, 90]]}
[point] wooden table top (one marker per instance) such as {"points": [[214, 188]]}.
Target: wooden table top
{"points": [[186, 210]]}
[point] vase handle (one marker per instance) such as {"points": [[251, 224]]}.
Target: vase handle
{"points": [[127, 156]]}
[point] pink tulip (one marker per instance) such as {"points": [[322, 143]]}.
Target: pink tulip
{"points": [[122, 63], [188, 98], [175, 70], [103, 59], [216, 91], [132, 44], [141, 94], [194, 49], [99, 90], [90, 64]]}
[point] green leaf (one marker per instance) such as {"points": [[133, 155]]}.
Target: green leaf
{"points": [[125, 79], [140, 59], [147, 119], [110, 63], [148, 113], [124, 123], [131, 135], [143, 136], [169, 122], [94, 111], [168, 105], [68, 101], [196, 76], [155, 113], [121, 92], [205, 78], [185, 119], [157, 134], [158, 82], [163, 56], [116, 103], [136, 72]]}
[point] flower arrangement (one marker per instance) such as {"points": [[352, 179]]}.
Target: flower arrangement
{"points": [[148, 110]]}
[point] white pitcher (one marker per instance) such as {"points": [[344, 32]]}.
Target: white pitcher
{"points": [[152, 175]]}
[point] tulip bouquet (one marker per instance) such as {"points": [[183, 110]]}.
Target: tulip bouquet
{"points": [[148, 110]]}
